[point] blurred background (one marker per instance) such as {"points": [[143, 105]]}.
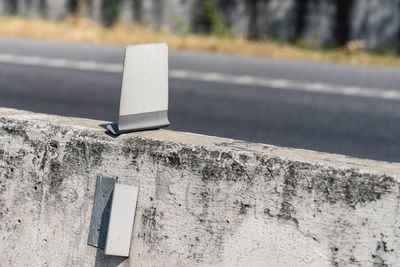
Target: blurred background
{"points": [[313, 74]]}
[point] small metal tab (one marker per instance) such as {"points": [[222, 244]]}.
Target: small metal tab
{"points": [[101, 212]]}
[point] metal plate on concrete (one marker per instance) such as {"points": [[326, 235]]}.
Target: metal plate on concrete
{"points": [[121, 220], [101, 212]]}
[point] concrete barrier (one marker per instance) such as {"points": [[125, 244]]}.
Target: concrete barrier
{"points": [[203, 201]]}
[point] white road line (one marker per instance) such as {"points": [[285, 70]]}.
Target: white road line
{"points": [[282, 84], [60, 63]]}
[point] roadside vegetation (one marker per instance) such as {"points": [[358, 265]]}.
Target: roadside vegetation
{"points": [[76, 29]]}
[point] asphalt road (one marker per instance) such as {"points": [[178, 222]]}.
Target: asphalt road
{"points": [[336, 108]]}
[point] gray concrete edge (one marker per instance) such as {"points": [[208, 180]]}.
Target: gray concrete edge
{"points": [[301, 155]]}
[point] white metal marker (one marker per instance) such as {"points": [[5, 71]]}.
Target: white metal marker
{"points": [[121, 220], [144, 93]]}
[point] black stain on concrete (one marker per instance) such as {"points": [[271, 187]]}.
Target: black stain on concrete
{"points": [[267, 211], [243, 207], [56, 176], [382, 252], [355, 189], [15, 130], [151, 228], [244, 158], [287, 211], [174, 160], [211, 173], [80, 154]]}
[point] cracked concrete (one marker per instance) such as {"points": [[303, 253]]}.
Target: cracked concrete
{"points": [[203, 201]]}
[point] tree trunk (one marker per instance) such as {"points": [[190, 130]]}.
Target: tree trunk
{"points": [[344, 10], [301, 12]]}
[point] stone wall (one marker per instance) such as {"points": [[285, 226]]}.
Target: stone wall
{"points": [[316, 22], [203, 201]]}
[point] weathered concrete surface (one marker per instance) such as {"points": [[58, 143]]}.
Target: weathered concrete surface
{"points": [[203, 201]]}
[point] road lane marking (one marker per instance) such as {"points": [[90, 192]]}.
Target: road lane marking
{"points": [[282, 84], [60, 63]]}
